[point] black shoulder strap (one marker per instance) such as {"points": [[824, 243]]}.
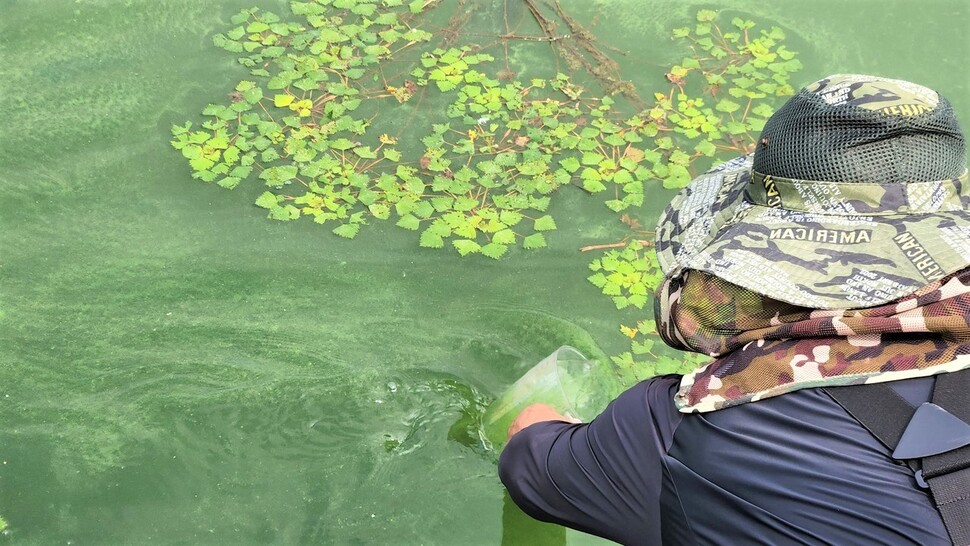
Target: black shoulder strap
{"points": [[886, 414], [878, 408], [948, 474]]}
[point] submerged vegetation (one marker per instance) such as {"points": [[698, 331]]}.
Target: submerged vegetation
{"points": [[320, 122]]}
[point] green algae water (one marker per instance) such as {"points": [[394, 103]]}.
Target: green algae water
{"points": [[177, 369]]}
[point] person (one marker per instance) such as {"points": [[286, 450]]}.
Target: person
{"points": [[832, 263]]}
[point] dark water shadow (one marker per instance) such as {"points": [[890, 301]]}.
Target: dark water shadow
{"points": [[519, 529]]}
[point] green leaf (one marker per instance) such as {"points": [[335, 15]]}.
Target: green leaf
{"points": [[380, 210], [706, 15], [365, 152], [281, 101], [285, 213], [706, 147], [544, 223], [735, 128], [466, 246], [532, 168], [386, 19], [677, 177], [277, 176], [505, 237], [540, 204], [741, 23], [510, 217], [431, 239], [617, 140], [622, 177], [763, 110], [494, 250], [464, 203], [205, 176], [617, 205], [219, 40], [347, 231], [445, 85], [727, 106], [241, 17], [593, 186], [342, 144], [640, 348], [409, 221], [534, 241], [424, 209], [254, 95], [505, 159], [598, 279], [690, 62], [612, 289], [634, 199], [442, 204], [331, 36], [364, 9], [267, 200], [229, 182]]}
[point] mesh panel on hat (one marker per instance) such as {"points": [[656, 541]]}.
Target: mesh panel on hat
{"points": [[716, 316], [711, 310], [811, 140], [766, 348]]}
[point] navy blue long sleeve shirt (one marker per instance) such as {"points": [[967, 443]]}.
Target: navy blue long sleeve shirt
{"points": [[794, 469]]}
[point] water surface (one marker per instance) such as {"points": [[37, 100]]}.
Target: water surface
{"points": [[176, 369]]}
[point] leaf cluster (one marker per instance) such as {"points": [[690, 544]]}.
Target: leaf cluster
{"points": [[641, 361], [720, 98], [482, 181], [627, 276], [722, 93]]}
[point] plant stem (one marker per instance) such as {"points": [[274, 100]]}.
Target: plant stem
{"points": [[614, 245]]}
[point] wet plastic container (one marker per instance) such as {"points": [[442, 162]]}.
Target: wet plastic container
{"points": [[566, 380]]}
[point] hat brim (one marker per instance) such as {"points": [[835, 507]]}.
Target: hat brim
{"points": [[816, 260]]}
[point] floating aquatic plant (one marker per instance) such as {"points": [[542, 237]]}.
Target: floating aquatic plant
{"points": [[484, 181], [628, 276], [314, 123], [641, 362], [719, 100]]}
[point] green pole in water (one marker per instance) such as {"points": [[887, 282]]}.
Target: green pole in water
{"points": [[566, 380]]}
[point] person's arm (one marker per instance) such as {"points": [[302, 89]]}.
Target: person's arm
{"points": [[603, 477], [536, 413]]}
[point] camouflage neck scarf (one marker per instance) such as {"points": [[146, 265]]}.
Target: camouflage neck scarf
{"points": [[765, 347]]}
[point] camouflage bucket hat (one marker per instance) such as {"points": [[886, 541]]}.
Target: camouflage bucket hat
{"points": [[856, 195]]}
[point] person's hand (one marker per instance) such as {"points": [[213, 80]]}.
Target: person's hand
{"points": [[536, 413]]}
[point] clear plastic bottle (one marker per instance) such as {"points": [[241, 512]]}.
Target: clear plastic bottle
{"points": [[566, 380]]}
